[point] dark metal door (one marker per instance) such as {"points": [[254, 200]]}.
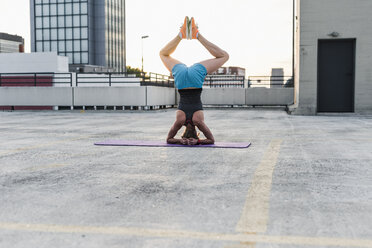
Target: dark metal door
{"points": [[336, 66]]}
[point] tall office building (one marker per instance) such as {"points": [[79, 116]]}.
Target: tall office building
{"points": [[88, 32], [11, 43]]}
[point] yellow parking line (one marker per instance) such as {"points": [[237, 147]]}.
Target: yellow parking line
{"points": [[242, 245], [180, 234], [256, 209]]}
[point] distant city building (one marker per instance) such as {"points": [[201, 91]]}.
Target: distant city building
{"points": [[227, 77], [28, 70], [277, 78], [88, 32], [11, 43], [232, 70], [33, 62]]}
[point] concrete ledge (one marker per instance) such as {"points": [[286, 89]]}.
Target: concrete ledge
{"points": [[138, 96], [269, 96], [363, 109], [223, 96], [302, 110], [157, 96], [109, 96], [36, 96]]}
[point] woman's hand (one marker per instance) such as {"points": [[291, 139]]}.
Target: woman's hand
{"points": [[192, 141], [184, 141]]}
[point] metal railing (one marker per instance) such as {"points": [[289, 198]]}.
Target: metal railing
{"points": [[224, 81], [152, 79], [271, 81], [155, 79], [117, 79], [34, 79], [105, 79]]}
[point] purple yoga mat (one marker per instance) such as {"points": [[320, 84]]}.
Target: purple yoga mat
{"points": [[164, 144]]}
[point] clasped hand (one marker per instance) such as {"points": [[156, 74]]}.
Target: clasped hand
{"points": [[190, 141]]}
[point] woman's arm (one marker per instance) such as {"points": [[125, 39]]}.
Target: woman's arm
{"points": [[177, 141], [174, 129], [206, 141], [198, 120]]}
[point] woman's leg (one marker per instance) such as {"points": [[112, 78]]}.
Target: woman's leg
{"points": [[165, 53], [198, 120], [220, 55]]}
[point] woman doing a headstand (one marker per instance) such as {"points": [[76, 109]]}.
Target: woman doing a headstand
{"points": [[189, 82]]}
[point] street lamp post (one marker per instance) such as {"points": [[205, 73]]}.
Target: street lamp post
{"points": [[143, 37]]}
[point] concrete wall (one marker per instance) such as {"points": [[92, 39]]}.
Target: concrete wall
{"points": [[110, 96], [319, 18], [269, 97], [138, 96], [36, 96], [157, 96], [223, 96], [248, 96], [32, 62]]}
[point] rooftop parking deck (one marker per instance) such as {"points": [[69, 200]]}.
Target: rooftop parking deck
{"points": [[304, 182]]}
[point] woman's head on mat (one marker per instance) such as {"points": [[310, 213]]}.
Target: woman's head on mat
{"points": [[190, 132]]}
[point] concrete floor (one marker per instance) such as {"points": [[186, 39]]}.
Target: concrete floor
{"points": [[304, 182]]}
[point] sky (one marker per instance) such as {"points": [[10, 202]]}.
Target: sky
{"points": [[257, 34]]}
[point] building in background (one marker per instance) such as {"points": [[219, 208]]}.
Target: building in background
{"points": [[31, 70], [231, 70], [277, 78], [11, 43], [89, 32], [333, 52], [227, 77], [33, 63]]}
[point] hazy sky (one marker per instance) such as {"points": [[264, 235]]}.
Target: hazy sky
{"points": [[256, 33]]}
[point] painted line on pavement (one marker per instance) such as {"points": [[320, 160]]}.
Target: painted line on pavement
{"points": [[180, 234], [242, 245], [255, 213]]}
